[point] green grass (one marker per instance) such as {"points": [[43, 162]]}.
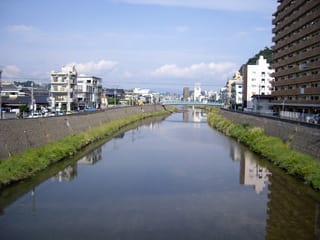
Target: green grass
{"points": [[31, 161], [297, 164]]}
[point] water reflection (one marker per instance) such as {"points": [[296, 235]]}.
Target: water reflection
{"points": [[293, 209], [165, 181], [252, 173]]}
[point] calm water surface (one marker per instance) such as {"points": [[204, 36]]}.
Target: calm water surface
{"points": [[174, 179]]}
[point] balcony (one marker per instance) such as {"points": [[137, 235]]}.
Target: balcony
{"points": [[295, 37], [283, 10], [297, 80], [295, 48], [298, 103], [301, 12], [297, 26], [297, 59]]}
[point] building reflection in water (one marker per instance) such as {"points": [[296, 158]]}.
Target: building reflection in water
{"points": [[91, 158], [251, 172], [293, 209], [67, 174], [71, 171], [198, 115]]}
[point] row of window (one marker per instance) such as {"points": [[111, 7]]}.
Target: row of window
{"points": [[60, 79], [299, 20], [299, 98], [313, 73]]}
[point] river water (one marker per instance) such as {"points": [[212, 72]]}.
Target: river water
{"points": [[170, 179]]}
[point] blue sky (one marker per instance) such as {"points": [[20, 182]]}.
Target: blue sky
{"points": [[157, 44]]}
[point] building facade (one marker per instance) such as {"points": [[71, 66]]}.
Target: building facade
{"points": [[62, 91], [236, 93], [296, 57], [236, 77], [186, 94], [197, 92], [257, 80], [89, 92]]}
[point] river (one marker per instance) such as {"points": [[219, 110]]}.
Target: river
{"points": [[175, 178]]}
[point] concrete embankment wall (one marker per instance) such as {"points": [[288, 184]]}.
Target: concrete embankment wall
{"points": [[301, 137], [17, 135]]}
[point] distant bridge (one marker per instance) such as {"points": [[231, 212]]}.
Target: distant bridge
{"points": [[191, 103]]}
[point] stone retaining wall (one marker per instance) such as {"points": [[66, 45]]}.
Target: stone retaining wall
{"points": [[17, 135], [301, 137]]}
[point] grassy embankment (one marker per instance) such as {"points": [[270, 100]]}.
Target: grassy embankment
{"points": [[31, 161], [300, 165]]}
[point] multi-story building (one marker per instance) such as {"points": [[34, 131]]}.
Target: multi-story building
{"points": [[236, 93], [296, 57], [186, 94], [236, 77], [257, 80], [89, 91], [197, 92], [63, 94]]}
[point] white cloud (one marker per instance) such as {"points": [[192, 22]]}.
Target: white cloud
{"points": [[230, 5], [95, 67], [196, 71], [10, 71], [182, 29], [19, 28]]}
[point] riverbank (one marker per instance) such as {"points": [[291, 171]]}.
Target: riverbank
{"points": [[297, 164], [31, 161]]}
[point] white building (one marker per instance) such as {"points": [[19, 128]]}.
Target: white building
{"points": [[89, 91], [63, 94], [256, 81], [236, 93], [197, 92]]}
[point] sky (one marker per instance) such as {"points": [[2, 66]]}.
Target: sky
{"points": [[163, 45]]}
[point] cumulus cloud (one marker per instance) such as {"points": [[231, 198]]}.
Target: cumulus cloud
{"points": [[10, 71], [229, 5], [19, 28], [200, 70], [95, 67]]}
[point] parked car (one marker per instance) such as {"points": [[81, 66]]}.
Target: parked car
{"points": [[35, 115]]}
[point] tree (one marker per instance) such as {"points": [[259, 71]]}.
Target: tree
{"points": [[266, 53]]}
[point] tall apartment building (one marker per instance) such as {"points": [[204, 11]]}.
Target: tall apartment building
{"points": [[296, 57], [257, 80], [62, 89], [89, 91], [186, 93]]}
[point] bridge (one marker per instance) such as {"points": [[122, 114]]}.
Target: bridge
{"points": [[191, 103]]}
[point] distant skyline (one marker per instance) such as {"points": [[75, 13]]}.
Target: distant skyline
{"points": [[163, 45]]}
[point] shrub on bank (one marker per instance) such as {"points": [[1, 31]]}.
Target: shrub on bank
{"points": [[274, 149], [31, 161]]}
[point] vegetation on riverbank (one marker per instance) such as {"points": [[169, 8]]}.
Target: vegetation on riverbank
{"points": [[31, 161], [274, 149]]}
